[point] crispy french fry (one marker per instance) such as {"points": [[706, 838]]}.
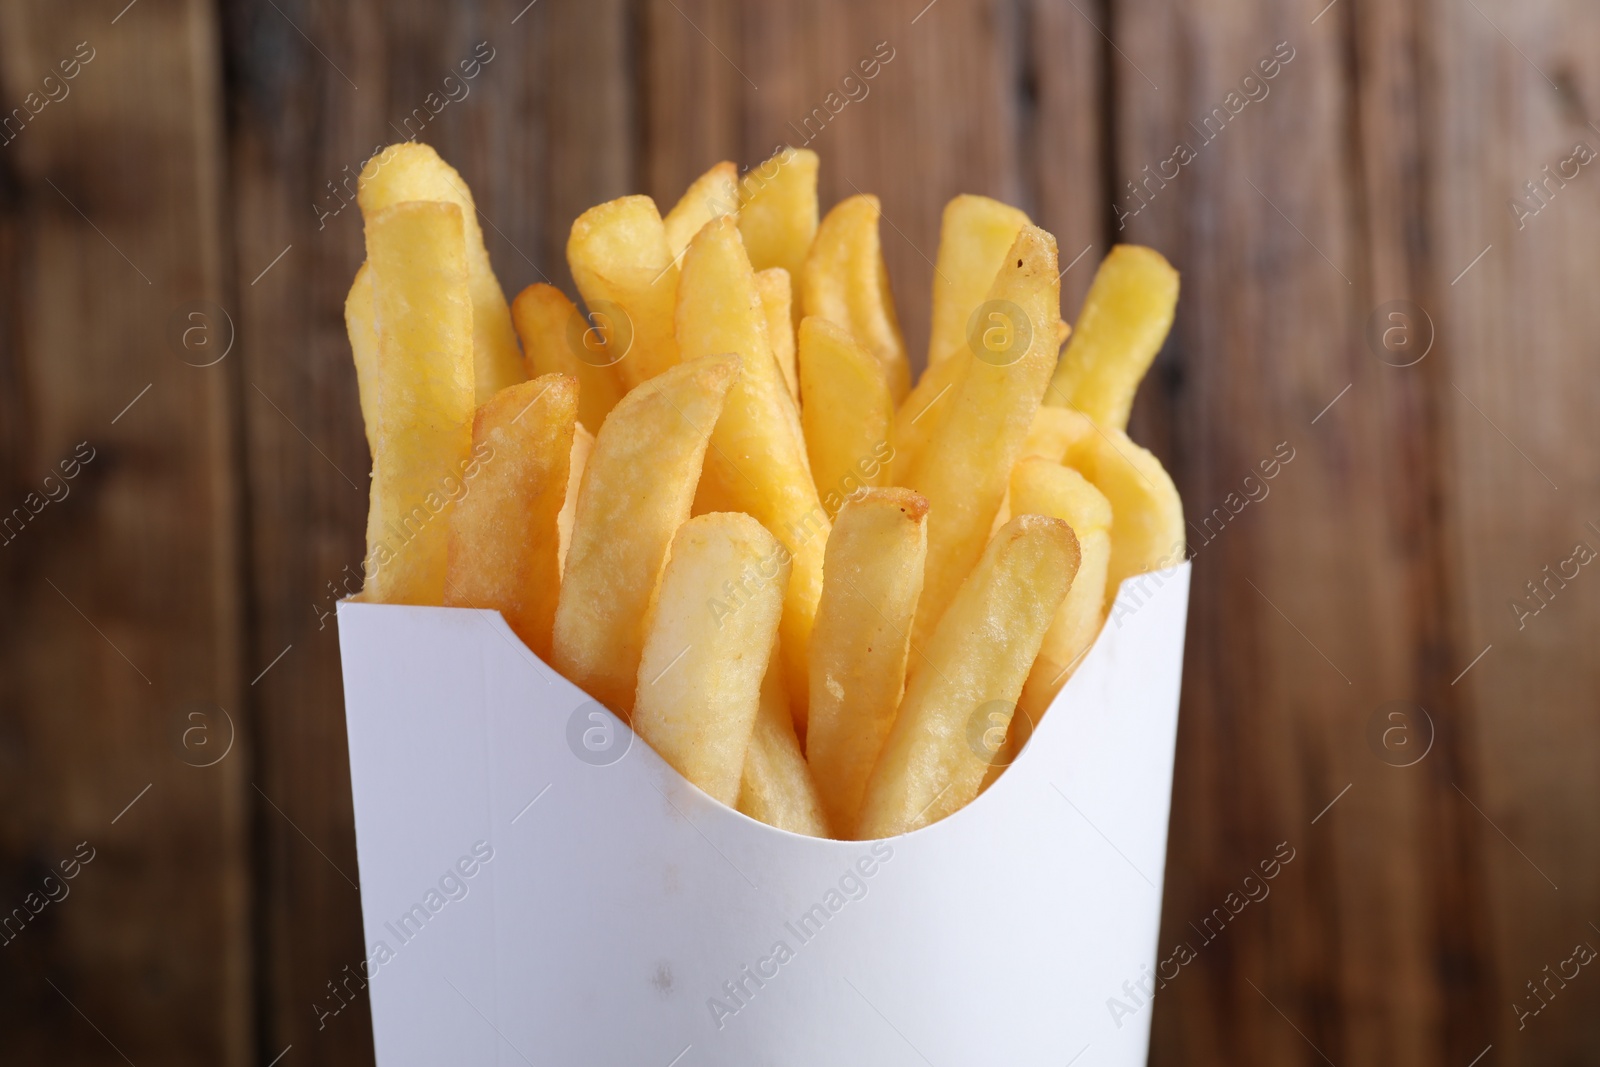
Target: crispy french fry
{"points": [[624, 268], [1146, 513], [974, 237], [505, 539], [636, 491], [544, 318], [757, 460], [965, 466], [700, 674], [1052, 432], [846, 282], [776, 300], [582, 445], [714, 193], [778, 213], [919, 414], [872, 576], [776, 787], [423, 430], [1044, 487], [411, 170], [1124, 321], [361, 325], [846, 419], [939, 748]]}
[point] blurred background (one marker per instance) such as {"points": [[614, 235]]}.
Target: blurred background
{"points": [[1388, 250]]}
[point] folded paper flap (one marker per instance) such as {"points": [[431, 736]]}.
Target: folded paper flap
{"points": [[621, 910]]}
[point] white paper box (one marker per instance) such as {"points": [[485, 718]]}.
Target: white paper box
{"points": [[621, 904]]}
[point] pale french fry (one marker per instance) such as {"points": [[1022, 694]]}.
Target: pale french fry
{"points": [[423, 430], [1125, 319], [938, 750], [714, 193], [1044, 487], [757, 460], [845, 282], [544, 318], [582, 445], [700, 674], [974, 236], [1052, 432], [505, 538], [1146, 513], [361, 326], [776, 301], [778, 213], [965, 466], [636, 491], [624, 268], [846, 419], [776, 787], [872, 576], [411, 170]]}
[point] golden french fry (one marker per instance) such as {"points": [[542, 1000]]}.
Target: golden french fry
{"points": [[1052, 432], [846, 282], [776, 787], [776, 300], [411, 170], [846, 418], [956, 709], [582, 445], [714, 193], [974, 237], [872, 576], [700, 673], [964, 468], [757, 460], [778, 213], [423, 430], [1124, 321], [544, 318], [1146, 513], [636, 492], [624, 268], [1044, 487], [919, 414], [361, 326], [505, 539]]}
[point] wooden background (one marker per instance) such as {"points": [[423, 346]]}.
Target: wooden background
{"points": [[187, 571]]}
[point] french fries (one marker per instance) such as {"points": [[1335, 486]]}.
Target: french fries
{"points": [[845, 282], [1125, 319], [505, 536], [872, 578], [846, 420], [930, 765], [413, 171], [700, 674], [625, 269], [875, 579], [636, 492], [544, 318], [422, 433]]}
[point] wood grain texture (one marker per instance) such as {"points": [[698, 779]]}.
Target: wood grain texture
{"points": [[203, 154]]}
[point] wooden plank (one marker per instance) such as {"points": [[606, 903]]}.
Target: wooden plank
{"points": [[536, 150], [123, 609]]}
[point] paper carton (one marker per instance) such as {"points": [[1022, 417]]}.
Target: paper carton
{"points": [[539, 887]]}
